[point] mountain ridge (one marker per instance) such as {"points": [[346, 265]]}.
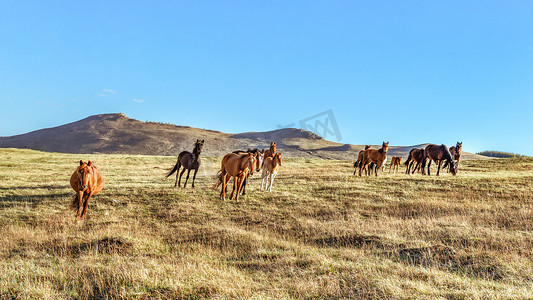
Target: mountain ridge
{"points": [[115, 133]]}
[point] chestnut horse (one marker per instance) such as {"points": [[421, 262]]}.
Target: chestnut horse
{"points": [[86, 182], [359, 160], [270, 151], [455, 151], [258, 154], [189, 161], [395, 164], [237, 166], [415, 157], [377, 156], [271, 168], [437, 154]]}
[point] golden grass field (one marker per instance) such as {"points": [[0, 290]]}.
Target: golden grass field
{"points": [[320, 233]]}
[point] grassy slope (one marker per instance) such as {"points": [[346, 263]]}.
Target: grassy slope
{"points": [[321, 232]]}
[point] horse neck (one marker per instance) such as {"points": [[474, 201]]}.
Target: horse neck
{"points": [[196, 152]]}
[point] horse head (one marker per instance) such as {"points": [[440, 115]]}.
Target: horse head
{"points": [[385, 146], [198, 146], [83, 173], [258, 156], [453, 168], [252, 160], [273, 147], [278, 157], [458, 147], [367, 147]]}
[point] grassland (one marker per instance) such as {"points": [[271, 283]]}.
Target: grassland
{"points": [[320, 233]]}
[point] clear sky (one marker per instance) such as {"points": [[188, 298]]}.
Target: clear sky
{"points": [[407, 72]]}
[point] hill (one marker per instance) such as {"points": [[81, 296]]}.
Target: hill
{"points": [[118, 134]]}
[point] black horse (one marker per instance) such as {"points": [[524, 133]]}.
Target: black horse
{"points": [[189, 161]]}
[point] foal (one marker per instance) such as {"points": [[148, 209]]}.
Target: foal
{"points": [[395, 164], [271, 168]]}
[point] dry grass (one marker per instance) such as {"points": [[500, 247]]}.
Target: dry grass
{"points": [[321, 233]]}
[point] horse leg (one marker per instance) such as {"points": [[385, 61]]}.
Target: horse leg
{"points": [[85, 205], [235, 180], [263, 177], [181, 174], [244, 186], [272, 181], [438, 168], [223, 191], [79, 195], [194, 177], [187, 179], [242, 180]]}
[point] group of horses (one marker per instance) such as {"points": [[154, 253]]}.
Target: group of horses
{"points": [[239, 165], [372, 160]]}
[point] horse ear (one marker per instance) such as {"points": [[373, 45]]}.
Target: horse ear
{"points": [[81, 162], [89, 163]]}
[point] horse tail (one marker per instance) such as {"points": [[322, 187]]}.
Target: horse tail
{"points": [[177, 166], [218, 182]]}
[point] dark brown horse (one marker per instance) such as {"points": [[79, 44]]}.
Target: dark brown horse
{"points": [[456, 152], [437, 154], [237, 166], [86, 182], [188, 161], [415, 158], [377, 156], [258, 154], [359, 160]]}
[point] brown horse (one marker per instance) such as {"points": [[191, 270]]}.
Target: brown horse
{"points": [[189, 161], [258, 154], [415, 157], [86, 182], [270, 151], [456, 152], [237, 166], [395, 164], [359, 160], [437, 154], [271, 168], [377, 156]]}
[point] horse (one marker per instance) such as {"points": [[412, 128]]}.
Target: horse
{"points": [[270, 151], [437, 154], [377, 156], [395, 164], [258, 154], [189, 161], [359, 160], [238, 166], [415, 157], [86, 182], [271, 168], [456, 152]]}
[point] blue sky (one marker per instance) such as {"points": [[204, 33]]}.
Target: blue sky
{"points": [[407, 72]]}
